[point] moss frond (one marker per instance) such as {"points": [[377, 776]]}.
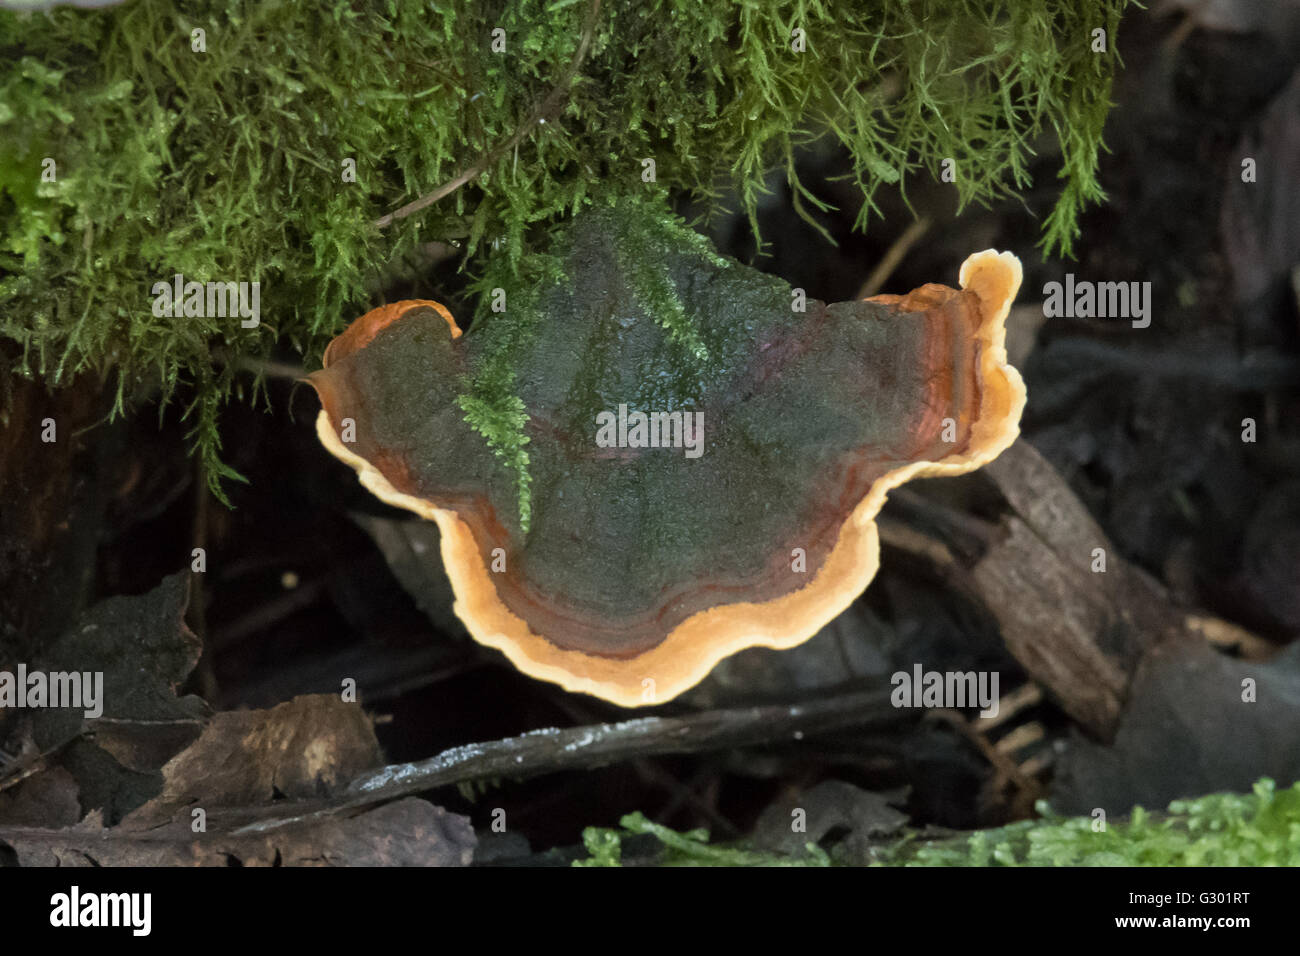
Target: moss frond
{"points": [[229, 164]]}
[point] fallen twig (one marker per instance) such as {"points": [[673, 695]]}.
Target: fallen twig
{"points": [[885, 268], [550, 751]]}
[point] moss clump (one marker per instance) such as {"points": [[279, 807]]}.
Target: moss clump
{"points": [[605, 848], [225, 155], [1261, 828]]}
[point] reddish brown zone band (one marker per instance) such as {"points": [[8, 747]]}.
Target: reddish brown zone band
{"points": [[952, 318], [363, 331]]}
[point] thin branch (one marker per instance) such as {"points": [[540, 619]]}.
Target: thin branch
{"points": [[256, 366], [897, 252], [550, 751], [546, 109]]}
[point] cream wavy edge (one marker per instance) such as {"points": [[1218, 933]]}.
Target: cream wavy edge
{"points": [[696, 645]]}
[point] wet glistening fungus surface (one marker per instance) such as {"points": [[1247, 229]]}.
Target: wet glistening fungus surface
{"points": [[701, 452]]}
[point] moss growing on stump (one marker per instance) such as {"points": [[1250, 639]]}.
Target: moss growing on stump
{"points": [[235, 141]]}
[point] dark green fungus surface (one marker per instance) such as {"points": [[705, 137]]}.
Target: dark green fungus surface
{"points": [[655, 430]]}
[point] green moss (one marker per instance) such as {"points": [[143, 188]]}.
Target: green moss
{"points": [[647, 239], [605, 848], [1261, 828], [488, 395], [228, 164], [501, 422]]}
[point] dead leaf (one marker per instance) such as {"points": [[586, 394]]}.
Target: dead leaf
{"points": [[141, 646], [145, 652], [409, 832], [46, 799], [306, 747]]}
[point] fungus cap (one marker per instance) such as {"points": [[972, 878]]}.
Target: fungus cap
{"points": [[641, 567]]}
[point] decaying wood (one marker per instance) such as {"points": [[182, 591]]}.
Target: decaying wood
{"points": [[1080, 633], [1050, 616]]}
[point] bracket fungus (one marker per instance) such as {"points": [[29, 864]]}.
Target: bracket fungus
{"points": [[581, 538]]}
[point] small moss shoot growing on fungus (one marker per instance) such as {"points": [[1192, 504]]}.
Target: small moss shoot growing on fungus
{"points": [[226, 165]]}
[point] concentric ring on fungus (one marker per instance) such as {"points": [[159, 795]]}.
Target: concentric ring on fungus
{"points": [[641, 567]]}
